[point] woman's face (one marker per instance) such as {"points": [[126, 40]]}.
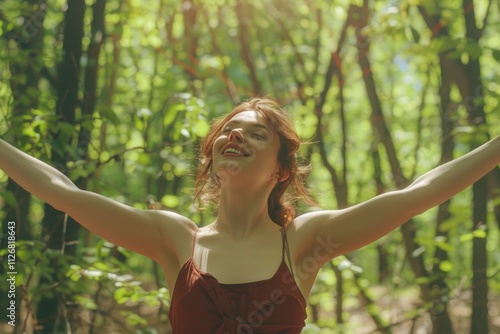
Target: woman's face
{"points": [[246, 150]]}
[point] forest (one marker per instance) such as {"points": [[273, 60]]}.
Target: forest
{"points": [[118, 95]]}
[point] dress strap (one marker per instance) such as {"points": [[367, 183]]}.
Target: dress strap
{"points": [[199, 255], [286, 248], [284, 243], [194, 242]]}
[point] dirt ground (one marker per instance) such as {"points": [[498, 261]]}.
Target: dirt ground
{"points": [[396, 308]]}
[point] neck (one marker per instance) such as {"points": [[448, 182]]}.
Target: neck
{"points": [[243, 212]]}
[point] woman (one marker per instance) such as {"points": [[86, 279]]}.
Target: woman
{"points": [[251, 270]]}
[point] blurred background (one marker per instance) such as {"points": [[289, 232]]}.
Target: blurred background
{"points": [[119, 94]]}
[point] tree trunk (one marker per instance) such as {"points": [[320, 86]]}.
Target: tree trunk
{"points": [[25, 68], [90, 97], [467, 77], [477, 117], [27, 65], [384, 136], [441, 322], [245, 48], [474, 102], [190, 14], [90, 83], [59, 228], [384, 270]]}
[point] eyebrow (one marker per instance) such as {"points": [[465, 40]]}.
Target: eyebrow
{"points": [[253, 124]]}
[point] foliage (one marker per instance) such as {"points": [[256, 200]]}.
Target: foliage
{"points": [[167, 68]]}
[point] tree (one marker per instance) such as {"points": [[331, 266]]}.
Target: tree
{"points": [[61, 230]]}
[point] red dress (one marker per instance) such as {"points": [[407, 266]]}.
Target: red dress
{"points": [[202, 305]]}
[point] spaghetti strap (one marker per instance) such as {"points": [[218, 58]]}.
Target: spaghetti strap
{"points": [[286, 248], [283, 242], [194, 242]]}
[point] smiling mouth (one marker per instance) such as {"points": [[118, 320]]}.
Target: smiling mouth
{"points": [[234, 151]]}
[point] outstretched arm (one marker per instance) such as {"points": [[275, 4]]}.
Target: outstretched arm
{"points": [[151, 233], [364, 223]]}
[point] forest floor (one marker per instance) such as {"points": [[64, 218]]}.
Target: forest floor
{"points": [[399, 308]]}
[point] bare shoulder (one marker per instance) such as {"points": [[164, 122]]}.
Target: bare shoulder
{"points": [[177, 231], [309, 219], [309, 224], [306, 235], [173, 223], [174, 220]]}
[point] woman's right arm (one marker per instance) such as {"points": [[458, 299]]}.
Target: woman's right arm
{"points": [[151, 233]]}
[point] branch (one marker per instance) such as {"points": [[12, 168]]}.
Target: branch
{"points": [[244, 40], [419, 125], [224, 74], [488, 12]]}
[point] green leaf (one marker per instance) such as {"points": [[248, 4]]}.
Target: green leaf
{"points": [[496, 55], [172, 112], [110, 115], [446, 266], [86, 302], [122, 295], [415, 34], [170, 201], [201, 128], [465, 237], [152, 301], [474, 50], [479, 234], [9, 198], [134, 319]]}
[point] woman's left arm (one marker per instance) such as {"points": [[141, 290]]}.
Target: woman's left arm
{"points": [[359, 225]]}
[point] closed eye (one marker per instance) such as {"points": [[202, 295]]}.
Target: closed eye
{"points": [[258, 136]]}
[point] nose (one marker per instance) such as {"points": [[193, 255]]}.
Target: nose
{"points": [[236, 135]]}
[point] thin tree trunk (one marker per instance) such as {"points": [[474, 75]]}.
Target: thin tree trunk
{"points": [[61, 229], [479, 319], [90, 99], [467, 77], [244, 41], [25, 68], [441, 322], [90, 83], [190, 14], [379, 124], [339, 294], [27, 65], [231, 88], [383, 261], [339, 183], [474, 102]]}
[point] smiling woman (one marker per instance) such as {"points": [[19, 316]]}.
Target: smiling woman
{"points": [[251, 270], [257, 123]]}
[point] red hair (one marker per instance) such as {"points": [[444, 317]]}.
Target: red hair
{"points": [[291, 173]]}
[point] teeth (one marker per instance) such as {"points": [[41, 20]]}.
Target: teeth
{"points": [[233, 150]]}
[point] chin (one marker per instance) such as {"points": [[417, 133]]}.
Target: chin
{"points": [[228, 169], [237, 174]]}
